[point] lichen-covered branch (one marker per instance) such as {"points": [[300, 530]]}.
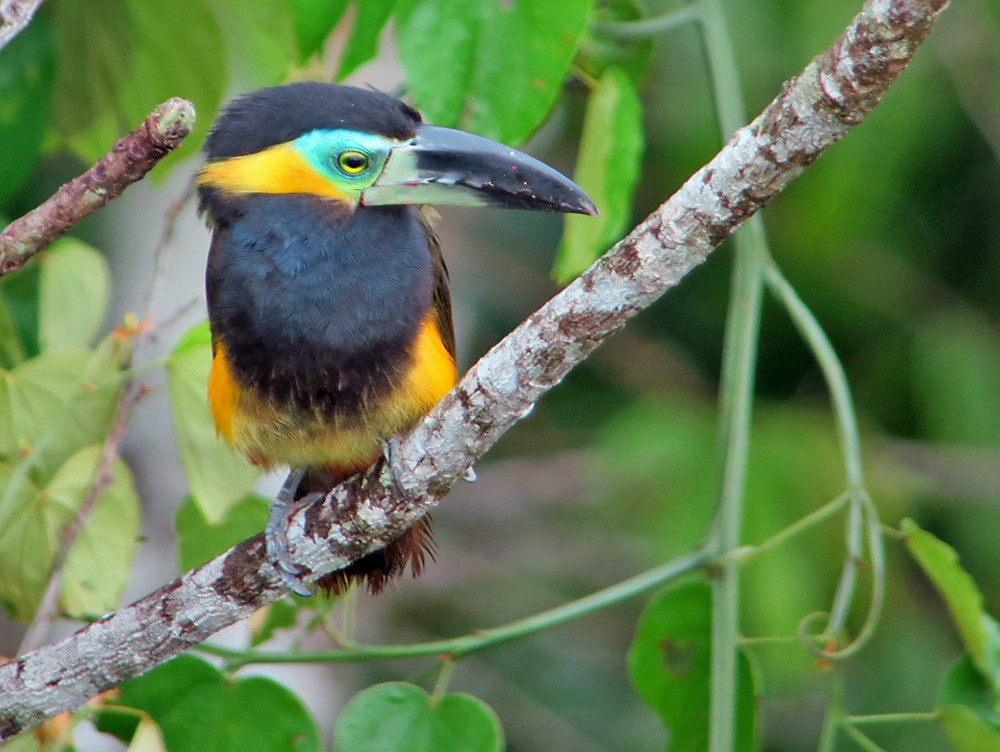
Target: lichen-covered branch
{"points": [[129, 160], [813, 111]]}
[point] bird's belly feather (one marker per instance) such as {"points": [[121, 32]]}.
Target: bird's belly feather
{"points": [[272, 432]]}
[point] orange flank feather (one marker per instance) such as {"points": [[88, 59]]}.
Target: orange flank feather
{"points": [[222, 394], [280, 169], [333, 448], [276, 434], [432, 374]]}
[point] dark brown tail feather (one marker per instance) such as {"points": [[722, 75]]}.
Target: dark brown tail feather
{"points": [[381, 567]]}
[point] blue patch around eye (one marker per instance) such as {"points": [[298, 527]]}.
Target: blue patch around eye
{"points": [[322, 149]]}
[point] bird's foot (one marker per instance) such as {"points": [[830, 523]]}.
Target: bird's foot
{"points": [[283, 508], [469, 476]]}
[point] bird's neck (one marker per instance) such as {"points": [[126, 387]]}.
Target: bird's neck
{"points": [[298, 274]]}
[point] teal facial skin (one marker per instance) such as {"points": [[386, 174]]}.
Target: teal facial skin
{"points": [[440, 166]]}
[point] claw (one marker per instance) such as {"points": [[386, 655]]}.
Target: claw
{"points": [[387, 450], [284, 506]]}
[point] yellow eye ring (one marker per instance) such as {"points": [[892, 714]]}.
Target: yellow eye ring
{"points": [[352, 162]]}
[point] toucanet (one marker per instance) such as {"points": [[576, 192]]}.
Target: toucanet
{"points": [[327, 293]]}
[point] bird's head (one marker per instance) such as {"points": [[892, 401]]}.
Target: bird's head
{"points": [[359, 147]]}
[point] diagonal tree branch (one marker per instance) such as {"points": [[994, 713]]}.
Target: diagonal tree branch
{"points": [[129, 160], [835, 92]]}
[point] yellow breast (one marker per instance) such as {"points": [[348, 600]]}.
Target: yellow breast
{"points": [[272, 434]]}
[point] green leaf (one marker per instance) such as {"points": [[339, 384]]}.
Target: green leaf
{"points": [[53, 405], [963, 684], [112, 74], [73, 294], [967, 732], [313, 20], [161, 687], [495, 68], [26, 742], [217, 475], [252, 715], [265, 622], [198, 708], [362, 45], [154, 691], [120, 722], [978, 630], [99, 562], [26, 80], [607, 169], [29, 536], [669, 664], [200, 540], [33, 521], [400, 717]]}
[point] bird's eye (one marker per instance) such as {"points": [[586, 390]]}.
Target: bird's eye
{"points": [[352, 162]]}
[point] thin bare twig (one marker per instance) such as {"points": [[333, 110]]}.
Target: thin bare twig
{"points": [[834, 93], [161, 252], [129, 160]]}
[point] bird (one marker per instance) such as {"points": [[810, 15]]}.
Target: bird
{"points": [[327, 292]]}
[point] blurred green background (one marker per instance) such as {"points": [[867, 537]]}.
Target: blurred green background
{"points": [[893, 240]]}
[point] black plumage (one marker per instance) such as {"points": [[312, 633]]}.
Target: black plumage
{"points": [[317, 307], [268, 117]]}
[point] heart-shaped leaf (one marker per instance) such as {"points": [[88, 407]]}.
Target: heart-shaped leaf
{"points": [[73, 294], [200, 540], [669, 663], [979, 631], [199, 708], [401, 717], [33, 521], [53, 405]]}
